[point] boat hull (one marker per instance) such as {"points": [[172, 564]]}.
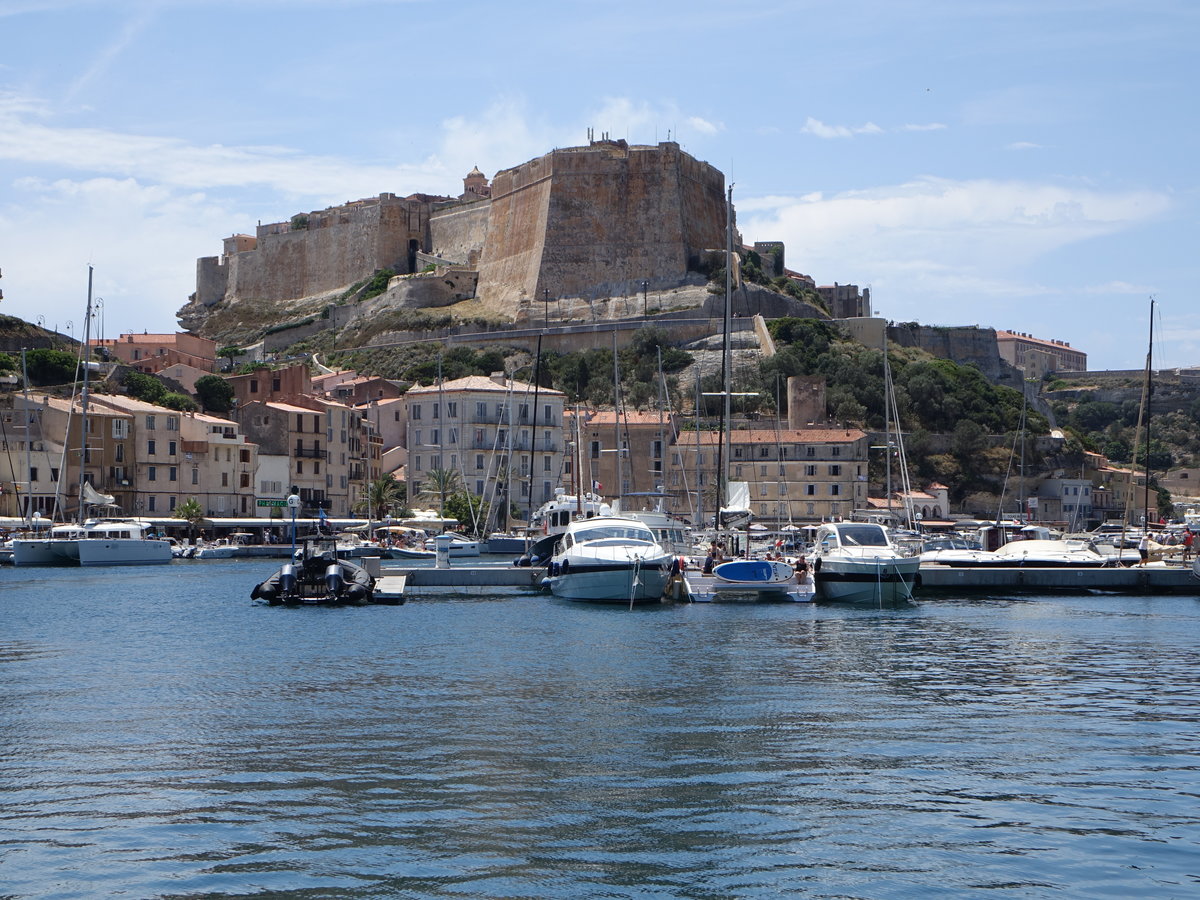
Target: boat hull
{"points": [[612, 583], [875, 581], [124, 553]]}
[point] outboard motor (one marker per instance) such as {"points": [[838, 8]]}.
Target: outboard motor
{"points": [[287, 579], [334, 581]]}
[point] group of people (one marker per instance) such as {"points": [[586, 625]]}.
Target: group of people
{"points": [[716, 555]]}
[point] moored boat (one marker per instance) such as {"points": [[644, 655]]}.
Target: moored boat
{"points": [[317, 575], [97, 542], [856, 562], [609, 559]]}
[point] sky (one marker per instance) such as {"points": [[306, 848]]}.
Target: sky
{"points": [[1028, 165]]}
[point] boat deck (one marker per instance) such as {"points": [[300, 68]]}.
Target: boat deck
{"points": [[709, 589]]}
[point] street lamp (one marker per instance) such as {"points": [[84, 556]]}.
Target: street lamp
{"points": [[293, 502]]}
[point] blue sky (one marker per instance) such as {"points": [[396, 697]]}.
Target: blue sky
{"points": [[1008, 163]]}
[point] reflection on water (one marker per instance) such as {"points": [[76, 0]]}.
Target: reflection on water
{"points": [[164, 736]]}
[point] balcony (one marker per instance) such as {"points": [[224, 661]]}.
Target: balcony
{"points": [[308, 453]]}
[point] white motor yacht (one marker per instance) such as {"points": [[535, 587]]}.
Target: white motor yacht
{"points": [[609, 559], [856, 562]]}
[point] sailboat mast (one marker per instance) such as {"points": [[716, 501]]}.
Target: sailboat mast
{"points": [[28, 446], [726, 361], [83, 424], [617, 415], [1149, 403]]}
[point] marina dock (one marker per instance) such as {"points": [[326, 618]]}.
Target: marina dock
{"points": [[404, 582], [1032, 580]]}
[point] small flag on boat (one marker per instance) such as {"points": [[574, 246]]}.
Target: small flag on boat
{"points": [[597, 486]]}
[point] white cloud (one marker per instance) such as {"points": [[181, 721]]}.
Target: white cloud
{"points": [[1023, 145], [930, 126], [703, 126], [938, 243], [817, 128]]}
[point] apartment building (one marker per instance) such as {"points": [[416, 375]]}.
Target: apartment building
{"points": [[503, 438], [172, 456], [331, 449], [643, 439], [794, 475]]}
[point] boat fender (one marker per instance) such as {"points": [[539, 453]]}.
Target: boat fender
{"points": [[816, 566], [552, 569], [678, 565], [566, 564]]}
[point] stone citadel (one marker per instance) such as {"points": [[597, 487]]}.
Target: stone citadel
{"points": [[601, 220]]}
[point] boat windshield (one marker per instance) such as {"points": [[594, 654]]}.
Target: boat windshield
{"points": [[862, 536], [608, 532]]}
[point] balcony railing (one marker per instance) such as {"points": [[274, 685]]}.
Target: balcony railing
{"points": [[309, 453]]}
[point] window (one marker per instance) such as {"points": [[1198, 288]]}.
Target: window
{"points": [[835, 490], [479, 488], [316, 468], [835, 471], [149, 423], [764, 452], [762, 489], [762, 471], [150, 448], [810, 451], [416, 412], [454, 436], [150, 503], [254, 385], [33, 473], [548, 414], [195, 475], [275, 385], [737, 452], [171, 503], [173, 473], [54, 474], [417, 463], [152, 473], [810, 471], [835, 451], [120, 455], [452, 409], [810, 490], [417, 438], [480, 410], [545, 464], [170, 448], [120, 429], [172, 423], [436, 407]]}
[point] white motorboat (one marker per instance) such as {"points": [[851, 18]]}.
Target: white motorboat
{"points": [[219, 549], [97, 542], [856, 562], [609, 559], [1028, 553]]}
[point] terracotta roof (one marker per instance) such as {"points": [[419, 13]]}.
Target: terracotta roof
{"points": [[770, 436], [630, 417], [482, 383]]}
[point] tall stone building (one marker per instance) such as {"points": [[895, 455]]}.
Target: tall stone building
{"points": [[606, 219]]}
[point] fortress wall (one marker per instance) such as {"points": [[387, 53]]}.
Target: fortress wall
{"points": [[458, 233], [340, 246], [962, 344], [512, 251], [703, 204], [211, 280], [615, 219]]}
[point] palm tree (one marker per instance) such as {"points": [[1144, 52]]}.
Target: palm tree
{"points": [[191, 511], [441, 483], [383, 496]]}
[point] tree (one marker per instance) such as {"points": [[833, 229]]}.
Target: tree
{"points": [[190, 511], [441, 483], [384, 496], [230, 353], [50, 366], [145, 387], [179, 402], [215, 393]]}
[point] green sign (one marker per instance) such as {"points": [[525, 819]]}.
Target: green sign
{"points": [[272, 503]]}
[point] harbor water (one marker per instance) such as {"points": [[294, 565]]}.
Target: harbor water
{"points": [[165, 736]]}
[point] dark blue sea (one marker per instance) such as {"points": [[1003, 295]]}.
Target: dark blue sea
{"points": [[162, 735]]}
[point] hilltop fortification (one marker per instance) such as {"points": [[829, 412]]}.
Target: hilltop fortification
{"points": [[602, 220]]}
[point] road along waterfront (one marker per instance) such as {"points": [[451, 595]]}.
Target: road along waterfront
{"points": [[166, 736]]}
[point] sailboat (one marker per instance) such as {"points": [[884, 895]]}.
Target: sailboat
{"points": [[857, 562], [92, 541]]}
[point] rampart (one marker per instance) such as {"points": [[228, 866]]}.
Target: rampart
{"points": [[597, 221], [960, 343]]}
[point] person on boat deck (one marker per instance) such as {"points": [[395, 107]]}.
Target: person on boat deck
{"points": [[1144, 547], [1188, 538]]}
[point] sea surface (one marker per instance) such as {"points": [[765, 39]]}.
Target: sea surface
{"points": [[162, 735]]}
